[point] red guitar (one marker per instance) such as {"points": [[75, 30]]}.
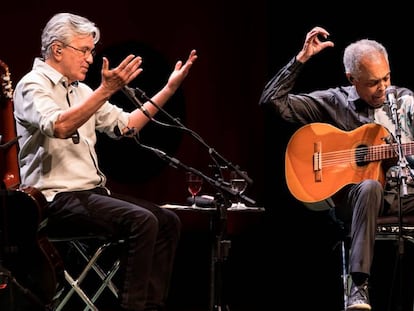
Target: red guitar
{"points": [[29, 256], [321, 159], [8, 141]]}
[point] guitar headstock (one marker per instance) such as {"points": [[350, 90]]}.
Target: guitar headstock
{"points": [[6, 89]]}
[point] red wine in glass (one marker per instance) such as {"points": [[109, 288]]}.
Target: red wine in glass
{"points": [[194, 187], [194, 184]]}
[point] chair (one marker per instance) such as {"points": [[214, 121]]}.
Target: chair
{"points": [[389, 228], [91, 264], [88, 251], [61, 283]]}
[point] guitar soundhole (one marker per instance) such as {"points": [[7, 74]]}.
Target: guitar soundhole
{"points": [[361, 155]]}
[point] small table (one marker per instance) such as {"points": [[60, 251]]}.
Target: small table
{"points": [[222, 223]]}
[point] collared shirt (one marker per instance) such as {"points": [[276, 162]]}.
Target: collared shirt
{"points": [[53, 164], [341, 106]]}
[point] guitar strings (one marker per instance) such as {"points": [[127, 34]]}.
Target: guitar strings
{"points": [[358, 155]]}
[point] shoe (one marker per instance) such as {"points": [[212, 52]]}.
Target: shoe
{"points": [[358, 298]]}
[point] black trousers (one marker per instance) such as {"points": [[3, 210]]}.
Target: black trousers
{"points": [[359, 208], [151, 234]]}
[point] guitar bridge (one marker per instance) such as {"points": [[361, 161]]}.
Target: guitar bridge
{"points": [[317, 161]]}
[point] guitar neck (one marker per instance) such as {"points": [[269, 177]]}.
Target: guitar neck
{"points": [[388, 151]]}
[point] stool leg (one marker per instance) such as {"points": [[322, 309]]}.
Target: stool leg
{"points": [[345, 274], [103, 276], [75, 287], [75, 284], [107, 283], [91, 264]]}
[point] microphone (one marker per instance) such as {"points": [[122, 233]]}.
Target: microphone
{"points": [[130, 93], [391, 94]]}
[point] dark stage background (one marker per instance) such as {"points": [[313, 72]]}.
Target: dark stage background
{"points": [[289, 257]]}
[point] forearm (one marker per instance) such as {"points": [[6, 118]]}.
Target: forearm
{"points": [[74, 117]]}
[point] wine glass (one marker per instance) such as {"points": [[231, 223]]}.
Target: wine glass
{"points": [[238, 184], [194, 183]]}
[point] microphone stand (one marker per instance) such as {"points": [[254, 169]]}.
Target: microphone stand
{"points": [[220, 244], [130, 93], [174, 162], [402, 161], [212, 151], [401, 182]]}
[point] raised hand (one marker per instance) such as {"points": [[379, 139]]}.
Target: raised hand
{"points": [[181, 71], [316, 41], [114, 79]]}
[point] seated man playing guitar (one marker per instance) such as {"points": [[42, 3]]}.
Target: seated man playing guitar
{"points": [[359, 109]]}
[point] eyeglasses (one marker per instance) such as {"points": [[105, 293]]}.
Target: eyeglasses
{"points": [[86, 51]]}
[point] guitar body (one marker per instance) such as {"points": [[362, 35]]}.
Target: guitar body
{"points": [[320, 159], [23, 252], [8, 156], [31, 262]]}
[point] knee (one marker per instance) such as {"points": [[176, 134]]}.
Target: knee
{"points": [[144, 221], [173, 222], [372, 192], [371, 186]]}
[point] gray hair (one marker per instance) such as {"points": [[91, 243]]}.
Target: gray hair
{"points": [[356, 51], [63, 27]]}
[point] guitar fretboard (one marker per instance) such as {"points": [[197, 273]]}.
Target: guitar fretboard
{"points": [[382, 152]]}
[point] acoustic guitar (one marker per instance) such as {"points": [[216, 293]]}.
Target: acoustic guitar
{"points": [[8, 139], [321, 159], [33, 264]]}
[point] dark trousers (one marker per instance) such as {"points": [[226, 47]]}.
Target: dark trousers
{"points": [[359, 208], [151, 234]]}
